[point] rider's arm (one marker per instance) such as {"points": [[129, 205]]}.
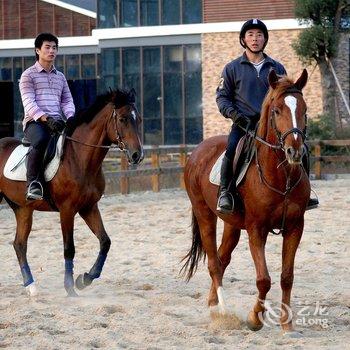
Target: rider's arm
{"points": [[26, 87], [67, 103]]}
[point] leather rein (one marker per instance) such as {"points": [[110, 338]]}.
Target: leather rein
{"points": [[119, 141]]}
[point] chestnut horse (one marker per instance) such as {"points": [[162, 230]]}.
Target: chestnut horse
{"points": [[79, 183], [274, 193]]}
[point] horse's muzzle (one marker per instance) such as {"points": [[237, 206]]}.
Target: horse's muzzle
{"points": [[135, 157], [293, 155]]}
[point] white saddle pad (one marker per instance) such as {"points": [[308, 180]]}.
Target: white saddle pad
{"points": [[16, 168], [214, 176]]}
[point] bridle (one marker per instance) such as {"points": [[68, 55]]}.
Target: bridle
{"points": [[281, 137], [119, 141]]}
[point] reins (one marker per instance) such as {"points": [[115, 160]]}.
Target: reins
{"points": [[120, 144]]}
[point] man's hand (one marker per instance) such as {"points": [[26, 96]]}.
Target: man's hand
{"points": [[240, 120], [54, 124]]}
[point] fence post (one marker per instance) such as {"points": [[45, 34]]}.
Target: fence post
{"points": [[318, 161], [183, 158], [124, 180], [155, 165]]}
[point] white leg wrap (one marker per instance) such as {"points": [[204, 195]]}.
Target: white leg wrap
{"points": [[222, 305], [32, 291]]}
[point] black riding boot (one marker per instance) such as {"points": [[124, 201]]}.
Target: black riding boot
{"points": [[226, 201], [34, 181], [313, 202]]}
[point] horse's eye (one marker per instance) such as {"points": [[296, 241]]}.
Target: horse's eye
{"points": [[276, 111], [123, 120]]}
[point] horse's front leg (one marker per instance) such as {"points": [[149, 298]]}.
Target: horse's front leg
{"points": [[257, 241], [93, 219], [67, 225], [291, 242]]}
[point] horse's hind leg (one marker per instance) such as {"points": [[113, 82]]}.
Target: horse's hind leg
{"points": [[24, 218], [93, 219], [229, 242]]}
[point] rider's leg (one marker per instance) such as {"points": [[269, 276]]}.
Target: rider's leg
{"points": [[227, 177], [39, 137], [313, 202]]}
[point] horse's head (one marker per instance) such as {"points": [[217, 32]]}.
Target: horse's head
{"points": [[283, 120], [124, 128]]}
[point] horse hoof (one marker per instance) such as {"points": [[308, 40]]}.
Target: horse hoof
{"points": [[32, 291], [79, 282], [252, 324]]}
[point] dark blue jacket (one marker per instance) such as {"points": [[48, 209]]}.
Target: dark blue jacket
{"points": [[242, 89]]}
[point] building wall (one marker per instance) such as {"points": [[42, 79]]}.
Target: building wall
{"points": [[239, 10], [220, 48], [20, 19]]}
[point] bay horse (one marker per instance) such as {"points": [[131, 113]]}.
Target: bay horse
{"points": [[79, 182], [274, 194]]}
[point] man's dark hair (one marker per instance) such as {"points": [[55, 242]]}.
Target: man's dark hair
{"points": [[41, 38]]}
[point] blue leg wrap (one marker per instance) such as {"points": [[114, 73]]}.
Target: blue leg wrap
{"points": [[27, 275], [96, 270], [68, 274]]}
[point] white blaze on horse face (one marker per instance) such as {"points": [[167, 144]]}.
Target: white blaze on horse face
{"points": [[291, 102], [133, 114]]}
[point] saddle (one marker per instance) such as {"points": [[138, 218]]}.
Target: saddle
{"points": [[16, 167], [243, 156]]}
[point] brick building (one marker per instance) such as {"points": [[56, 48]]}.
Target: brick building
{"points": [[171, 51]]}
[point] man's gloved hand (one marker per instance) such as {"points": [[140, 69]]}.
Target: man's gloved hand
{"points": [[71, 123], [240, 119], [54, 124]]}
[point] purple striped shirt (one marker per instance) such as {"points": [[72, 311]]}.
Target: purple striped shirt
{"points": [[45, 93]]}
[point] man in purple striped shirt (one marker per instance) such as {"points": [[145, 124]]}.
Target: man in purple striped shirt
{"points": [[47, 101]]}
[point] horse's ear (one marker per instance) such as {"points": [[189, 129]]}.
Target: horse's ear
{"points": [[132, 94], [301, 82], [273, 79]]}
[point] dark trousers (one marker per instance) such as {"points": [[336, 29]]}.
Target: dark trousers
{"points": [[39, 136], [233, 139]]}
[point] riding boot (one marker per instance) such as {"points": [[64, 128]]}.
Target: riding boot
{"points": [[313, 202], [226, 201], [34, 178]]}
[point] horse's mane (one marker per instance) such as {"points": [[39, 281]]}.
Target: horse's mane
{"points": [[283, 84], [118, 97]]}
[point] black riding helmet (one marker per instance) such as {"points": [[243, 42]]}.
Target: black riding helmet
{"points": [[253, 23]]}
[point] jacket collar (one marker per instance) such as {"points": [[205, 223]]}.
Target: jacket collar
{"points": [[244, 59]]}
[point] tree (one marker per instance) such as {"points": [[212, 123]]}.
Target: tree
{"points": [[325, 19]]}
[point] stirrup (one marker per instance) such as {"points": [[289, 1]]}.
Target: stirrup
{"points": [[312, 204], [35, 193], [224, 210]]}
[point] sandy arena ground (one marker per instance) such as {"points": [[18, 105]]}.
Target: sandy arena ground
{"points": [[140, 302]]}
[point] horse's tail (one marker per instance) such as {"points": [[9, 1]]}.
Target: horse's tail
{"points": [[195, 254]]}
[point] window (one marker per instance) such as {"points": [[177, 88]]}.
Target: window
{"points": [[149, 12], [109, 69], [193, 95], [191, 11], [170, 12], [107, 13], [128, 13], [173, 126], [152, 96], [88, 66], [131, 71], [6, 68], [72, 67]]}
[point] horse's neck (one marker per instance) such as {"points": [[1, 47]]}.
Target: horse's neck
{"points": [[92, 133]]}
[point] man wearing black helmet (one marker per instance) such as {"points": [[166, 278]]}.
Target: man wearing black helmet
{"points": [[239, 96]]}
